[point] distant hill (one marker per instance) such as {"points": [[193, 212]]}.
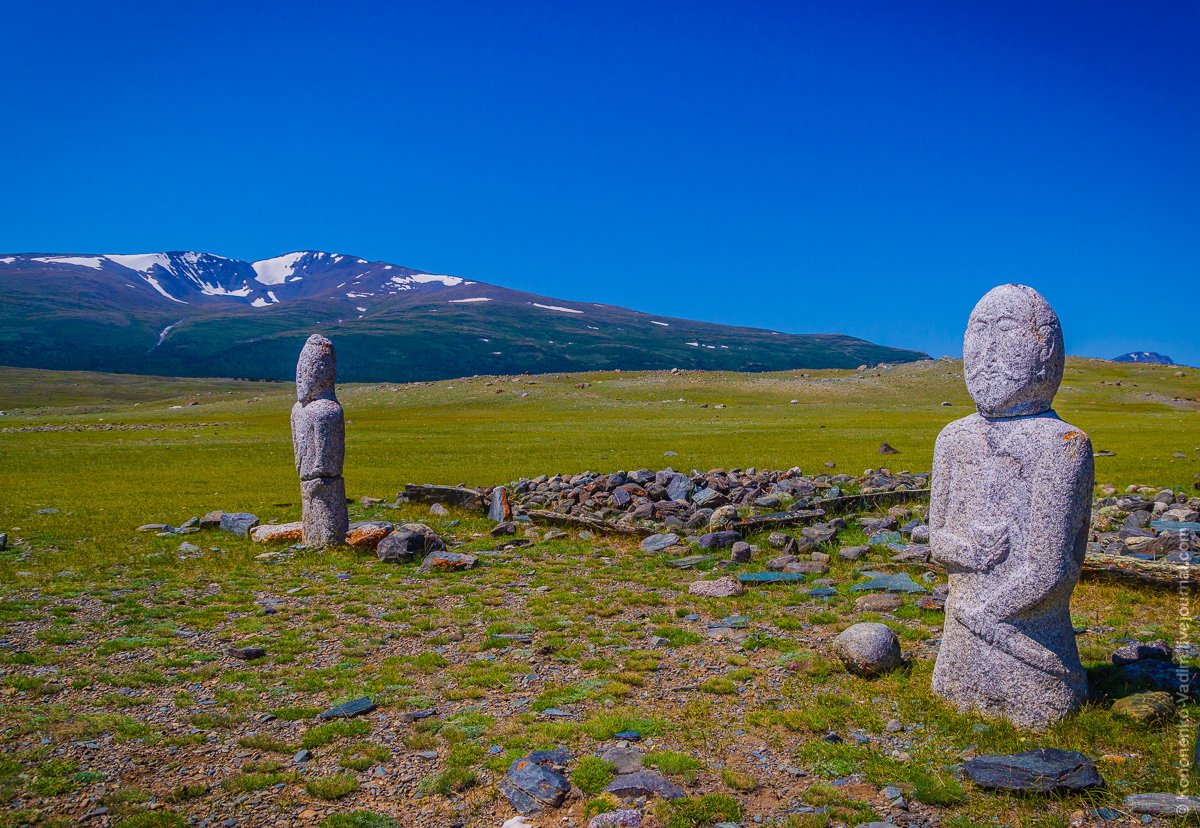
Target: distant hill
{"points": [[1145, 356], [192, 314]]}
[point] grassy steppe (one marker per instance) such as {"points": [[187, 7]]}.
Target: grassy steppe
{"points": [[116, 639], [233, 450]]}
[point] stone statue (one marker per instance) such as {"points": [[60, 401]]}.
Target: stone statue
{"points": [[319, 441], [1009, 515]]}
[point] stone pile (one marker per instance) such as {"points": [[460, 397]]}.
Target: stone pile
{"points": [[673, 500], [1147, 524]]}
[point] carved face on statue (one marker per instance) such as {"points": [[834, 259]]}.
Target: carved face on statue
{"points": [[1013, 353], [316, 371]]}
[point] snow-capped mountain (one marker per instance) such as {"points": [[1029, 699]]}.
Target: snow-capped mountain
{"points": [[199, 314], [1149, 357], [189, 278]]}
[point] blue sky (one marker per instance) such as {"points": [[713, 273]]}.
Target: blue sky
{"points": [[870, 168]]}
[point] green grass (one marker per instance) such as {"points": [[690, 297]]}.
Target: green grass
{"points": [[672, 762], [332, 787], [360, 819], [694, 812], [592, 774], [322, 735]]}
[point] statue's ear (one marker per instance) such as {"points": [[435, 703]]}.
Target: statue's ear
{"points": [[1047, 344]]}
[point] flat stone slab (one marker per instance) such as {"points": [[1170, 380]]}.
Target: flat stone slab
{"points": [[238, 523], [556, 756], [625, 818], [879, 602], [807, 568], [899, 582], [349, 710], [1163, 804], [822, 592], [735, 621], [884, 538], [1042, 770], [1174, 525], [449, 562], [770, 577], [279, 532], [1167, 676], [643, 783], [657, 543], [247, 653], [690, 561], [1129, 653], [720, 540], [530, 788], [417, 715], [446, 495]]}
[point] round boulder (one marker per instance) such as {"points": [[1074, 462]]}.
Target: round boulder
{"points": [[868, 649]]}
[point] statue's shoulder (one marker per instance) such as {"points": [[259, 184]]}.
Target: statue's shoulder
{"points": [[958, 429], [324, 405], [1059, 443], [1051, 431]]}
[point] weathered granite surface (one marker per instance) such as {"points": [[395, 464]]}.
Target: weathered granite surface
{"points": [[1009, 513], [319, 442]]}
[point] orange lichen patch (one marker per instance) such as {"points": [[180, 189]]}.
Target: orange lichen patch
{"points": [[278, 533], [367, 537], [1071, 434]]}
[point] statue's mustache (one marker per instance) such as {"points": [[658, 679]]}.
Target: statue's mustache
{"points": [[993, 369]]}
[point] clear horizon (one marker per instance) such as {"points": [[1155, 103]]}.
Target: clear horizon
{"points": [[824, 168]]}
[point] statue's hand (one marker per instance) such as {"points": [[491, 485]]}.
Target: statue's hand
{"points": [[983, 548], [989, 545]]}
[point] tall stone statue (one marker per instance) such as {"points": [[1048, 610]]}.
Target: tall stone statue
{"points": [[1009, 514], [319, 441]]}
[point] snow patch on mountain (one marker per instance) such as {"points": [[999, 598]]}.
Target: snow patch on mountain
{"points": [[664, 324], [448, 281], [555, 308], [277, 271], [209, 289], [8, 260], [154, 284], [94, 262], [472, 299], [142, 262]]}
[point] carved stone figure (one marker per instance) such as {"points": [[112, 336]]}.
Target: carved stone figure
{"points": [[1010, 508], [319, 442]]}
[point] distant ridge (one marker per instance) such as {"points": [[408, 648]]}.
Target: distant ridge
{"points": [[184, 313], [1144, 356]]}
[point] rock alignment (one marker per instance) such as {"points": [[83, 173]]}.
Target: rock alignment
{"points": [[319, 442], [1009, 515]]}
